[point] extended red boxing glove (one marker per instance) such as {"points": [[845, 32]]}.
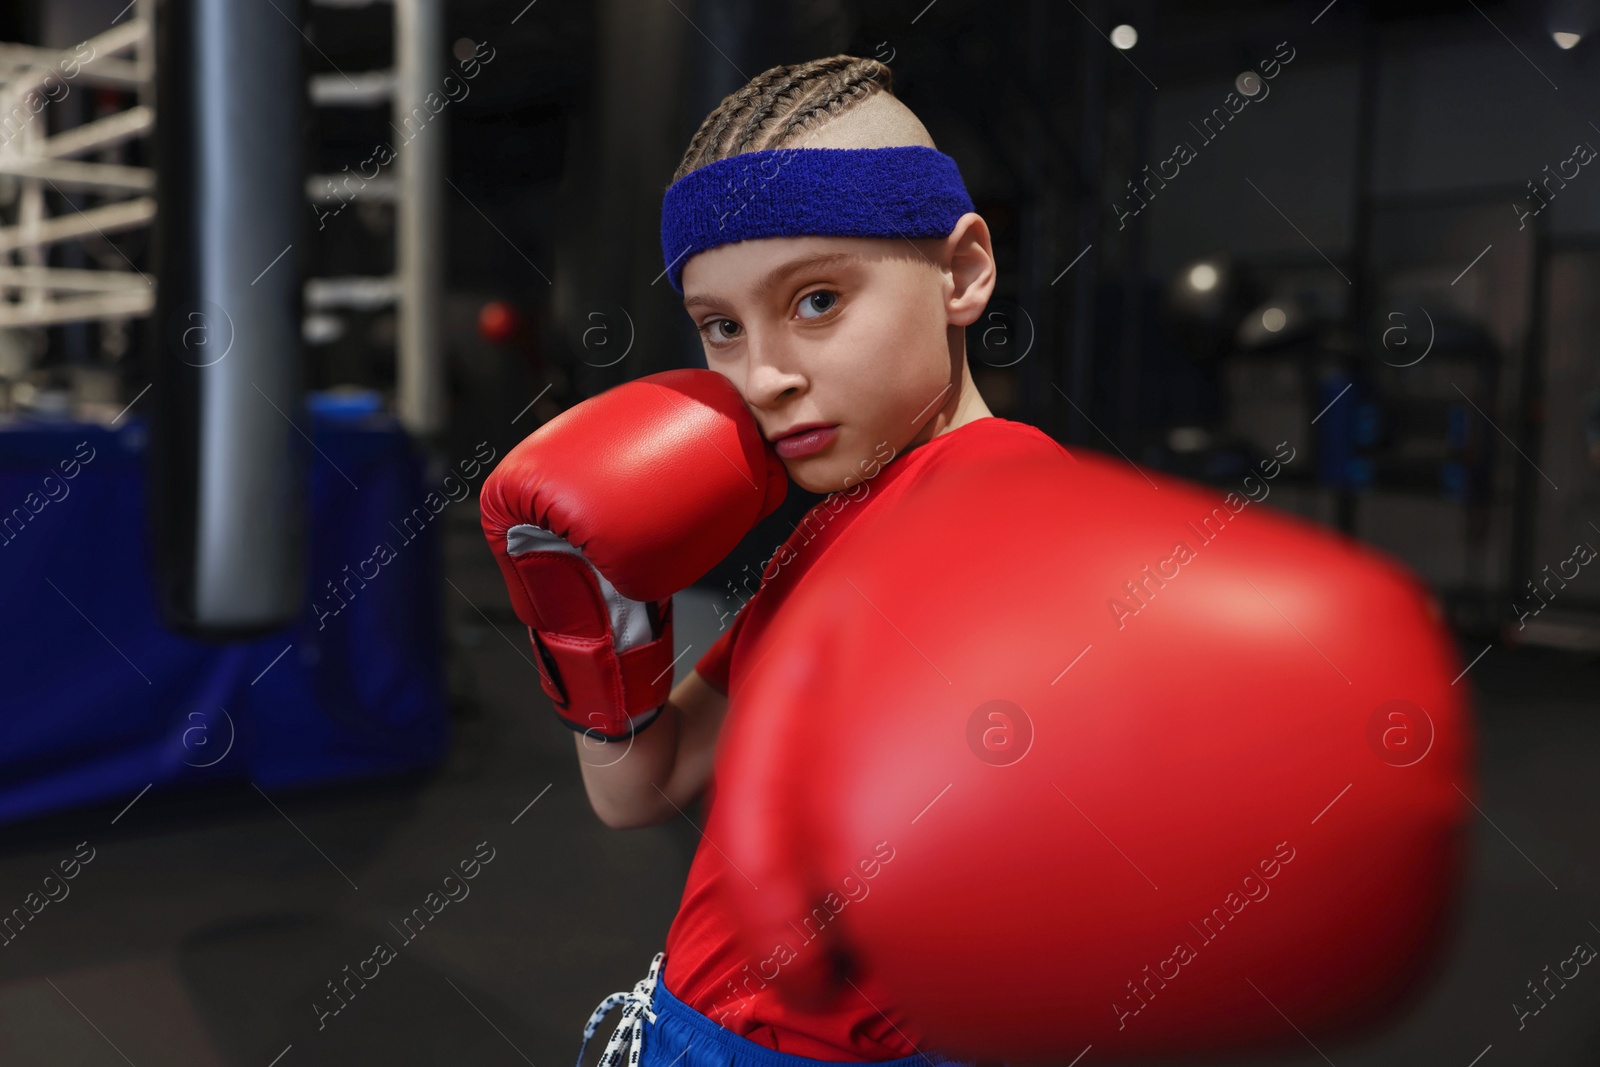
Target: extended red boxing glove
{"points": [[1140, 767], [600, 515]]}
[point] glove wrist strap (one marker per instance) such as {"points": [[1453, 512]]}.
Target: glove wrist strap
{"points": [[600, 691]]}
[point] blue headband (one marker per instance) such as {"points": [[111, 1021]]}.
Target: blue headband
{"points": [[907, 191]]}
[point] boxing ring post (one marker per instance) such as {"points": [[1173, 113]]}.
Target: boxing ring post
{"points": [[228, 500]]}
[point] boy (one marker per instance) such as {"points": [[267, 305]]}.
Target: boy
{"points": [[831, 289]]}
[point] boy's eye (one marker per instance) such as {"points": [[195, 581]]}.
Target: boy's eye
{"points": [[821, 302], [709, 330], [725, 331]]}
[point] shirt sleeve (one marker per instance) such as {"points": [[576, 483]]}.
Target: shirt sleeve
{"points": [[713, 665]]}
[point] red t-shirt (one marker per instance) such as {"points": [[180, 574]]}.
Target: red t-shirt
{"points": [[704, 965]]}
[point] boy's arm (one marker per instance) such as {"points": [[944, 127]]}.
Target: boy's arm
{"points": [[667, 766]]}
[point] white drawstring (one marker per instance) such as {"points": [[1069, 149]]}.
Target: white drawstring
{"points": [[631, 1026]]}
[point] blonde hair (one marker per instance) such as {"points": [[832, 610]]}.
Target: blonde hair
{"points": [[781, 103]]}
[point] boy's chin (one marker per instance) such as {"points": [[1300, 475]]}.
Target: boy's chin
{"points": [[800, 478], [815, 477]]}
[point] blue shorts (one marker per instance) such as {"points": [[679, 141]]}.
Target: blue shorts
{"points": [[679, 1036]]}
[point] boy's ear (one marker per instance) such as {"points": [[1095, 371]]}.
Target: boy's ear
{"points": [[972, 268]]}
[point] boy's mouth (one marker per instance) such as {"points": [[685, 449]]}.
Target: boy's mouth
{"points": [[799, 427], [804, 439]]}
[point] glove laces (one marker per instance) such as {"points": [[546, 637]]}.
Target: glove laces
{"points": [[636, 1008]]}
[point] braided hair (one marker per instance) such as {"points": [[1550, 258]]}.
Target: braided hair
{"points": [[782, 102]]}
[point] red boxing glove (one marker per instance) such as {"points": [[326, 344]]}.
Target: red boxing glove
{"points": [[1185, 800], [600, 515]]}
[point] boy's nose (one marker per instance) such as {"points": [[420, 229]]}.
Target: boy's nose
{"points": [[771, 378]]}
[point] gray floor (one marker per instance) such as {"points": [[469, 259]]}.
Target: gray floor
{"points": [[204, 930]]}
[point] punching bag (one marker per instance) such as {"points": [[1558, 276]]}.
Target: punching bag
{"points": [[227, 457]]}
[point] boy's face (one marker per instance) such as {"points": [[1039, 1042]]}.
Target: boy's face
{"points": [[852, 333]]}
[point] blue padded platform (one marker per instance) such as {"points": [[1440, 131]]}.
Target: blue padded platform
{"points": [[100, 700]]}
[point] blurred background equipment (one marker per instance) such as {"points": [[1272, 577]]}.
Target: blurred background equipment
{"points": [[409, 90], [218, 557], [227, 486]]}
